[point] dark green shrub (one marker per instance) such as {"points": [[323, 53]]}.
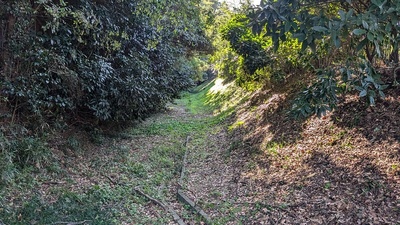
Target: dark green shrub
{"points": [[96, 61], [251, 47]]}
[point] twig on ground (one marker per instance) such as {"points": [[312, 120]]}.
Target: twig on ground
{"points": [[166, 207], [271, 206], [149, 197], [73, 223], [187, 141], [110, 179], [180, 182], [187, 201], [52, 183]]}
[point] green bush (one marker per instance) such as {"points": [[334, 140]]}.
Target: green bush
{"points": [[8, 169], [348, 39], [20, 153], [247, 45], [102, 61]]}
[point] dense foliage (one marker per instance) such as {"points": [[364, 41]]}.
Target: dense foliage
{"points": [[247, 57], [356, 36], [98, 60], [246, 44], [89, 63]]}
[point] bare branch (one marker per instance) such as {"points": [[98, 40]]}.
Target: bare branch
{"points": [[166, 207], [73, 223]]}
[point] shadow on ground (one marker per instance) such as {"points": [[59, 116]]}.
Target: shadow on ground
{"points": [[343, 168], [378, 123]]}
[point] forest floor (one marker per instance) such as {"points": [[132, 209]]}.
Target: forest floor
{"points": [[245, 162]]}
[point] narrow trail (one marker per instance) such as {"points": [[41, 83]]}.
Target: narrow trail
{"points": [[206, 170], [246, 164], [212, 178], [212, 173], [197, 141]]}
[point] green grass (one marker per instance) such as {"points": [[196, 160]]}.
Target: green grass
{"points": [[69, 207], [195, 101], [236, 125], [113, 171], [171, 127], [272, 148], [217, 97]]}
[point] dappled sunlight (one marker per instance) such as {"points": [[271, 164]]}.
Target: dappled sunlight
{"points": [[343, 164], [264, 118], [224, 96], [219, 86], [331, 178], [267, 114]]}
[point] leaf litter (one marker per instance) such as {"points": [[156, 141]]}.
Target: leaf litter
{"points": [[343, 168]]}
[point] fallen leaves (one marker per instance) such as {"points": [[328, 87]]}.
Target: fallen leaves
{"points": [[342, 168]]}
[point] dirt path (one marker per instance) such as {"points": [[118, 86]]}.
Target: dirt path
{"points": [[319, 171], [252, 165], [260, 167]]}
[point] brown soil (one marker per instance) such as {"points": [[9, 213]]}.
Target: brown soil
{"points": [[343, 168]]}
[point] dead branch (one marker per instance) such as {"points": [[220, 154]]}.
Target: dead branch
{"points": [[180, 182], [187, 201], [166, 207], [110, 179], [51, 183], [73, 223]]}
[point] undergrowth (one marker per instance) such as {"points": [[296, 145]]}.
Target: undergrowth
{"points": [[71, 183]]}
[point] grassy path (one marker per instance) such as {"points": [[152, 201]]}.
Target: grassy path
{"points": [[95, 184], [246, 163]]}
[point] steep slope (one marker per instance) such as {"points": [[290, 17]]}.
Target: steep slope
{"points": [[247, 162], [342, 168]]}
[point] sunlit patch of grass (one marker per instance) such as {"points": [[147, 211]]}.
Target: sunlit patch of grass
{"points": [[195, 101], [171, 127], [216, 96], [272, 148], [236, 125], [225, 96]]}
